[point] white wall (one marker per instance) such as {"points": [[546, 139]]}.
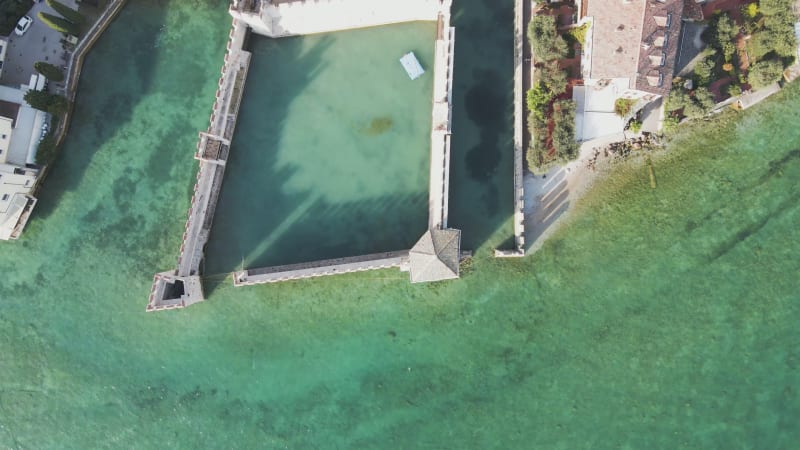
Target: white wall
{"points": [[322, 16]]}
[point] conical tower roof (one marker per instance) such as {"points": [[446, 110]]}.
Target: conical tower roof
{"points": [[435, 256]]}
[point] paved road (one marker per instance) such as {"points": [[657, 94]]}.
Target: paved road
{"points": [[40, 43]]}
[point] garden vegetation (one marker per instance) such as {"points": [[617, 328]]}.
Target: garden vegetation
{"points": [[744, 55], [551, 119], [50, 71], [10, 13], [44, 101], [70, 21]]}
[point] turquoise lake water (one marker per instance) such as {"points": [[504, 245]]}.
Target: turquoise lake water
{"points": [[331, 152], [661, 318]]}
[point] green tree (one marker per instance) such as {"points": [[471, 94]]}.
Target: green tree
{"points": [[58, 105], [704, 99], [38, 99], [579, 33], [703, 70], [774, 7], [59, 24], [750, 11], [726, 29], [538, 98], [47, 146], [544, 39], [536, 154], [52, 103], [67, 12], [10, 13], [554, 78], [50, 71], [764, 73], [777, 32], [564, 130], [676, 100]]}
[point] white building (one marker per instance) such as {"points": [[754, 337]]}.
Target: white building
{"points": [[20, 131], [630, 52], [277, 18]]}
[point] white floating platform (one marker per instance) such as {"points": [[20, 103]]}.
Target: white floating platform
{"points": [[411, 64]]}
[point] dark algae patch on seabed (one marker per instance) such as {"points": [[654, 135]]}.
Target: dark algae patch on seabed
{"points": [[656, 318]]}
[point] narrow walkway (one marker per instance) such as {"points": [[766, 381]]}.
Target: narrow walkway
{"points": [[522, 83], [438, 191], [321, 268]]}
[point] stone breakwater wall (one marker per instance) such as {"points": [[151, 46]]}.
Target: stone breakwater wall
{"points": [[519, 124], [320, 268], [519, 145], [209, 178], [322, 16], [182, 287]]}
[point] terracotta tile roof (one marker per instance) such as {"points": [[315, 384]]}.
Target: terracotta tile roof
{"points": [[636, 39], [659, 42], [616, 34]]}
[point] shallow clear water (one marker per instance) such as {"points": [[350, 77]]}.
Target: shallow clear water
{"points": [[661, 318], [330, 156]]}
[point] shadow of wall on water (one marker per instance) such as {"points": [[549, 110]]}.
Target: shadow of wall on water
{"points": [[481, 177], [117, 73], [260, 221]]}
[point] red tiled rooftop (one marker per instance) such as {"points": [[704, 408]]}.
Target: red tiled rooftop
{"points": [[616, 35], [659, 44]]}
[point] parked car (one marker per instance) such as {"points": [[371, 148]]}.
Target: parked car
{"points": [[23, 25]]}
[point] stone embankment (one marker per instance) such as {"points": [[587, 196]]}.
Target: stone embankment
{"points": [[519, 124]]}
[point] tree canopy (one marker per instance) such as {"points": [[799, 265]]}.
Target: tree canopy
{"points": [[67, 12], [50, 71], [52, 103], [59, 24], [765, 73], [547, 45]]}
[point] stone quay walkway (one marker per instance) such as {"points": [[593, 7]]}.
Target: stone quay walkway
{"points": [[321, 268], [522, 73]]}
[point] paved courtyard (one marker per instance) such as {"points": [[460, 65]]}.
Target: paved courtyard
{"points": [[40, 43]]}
